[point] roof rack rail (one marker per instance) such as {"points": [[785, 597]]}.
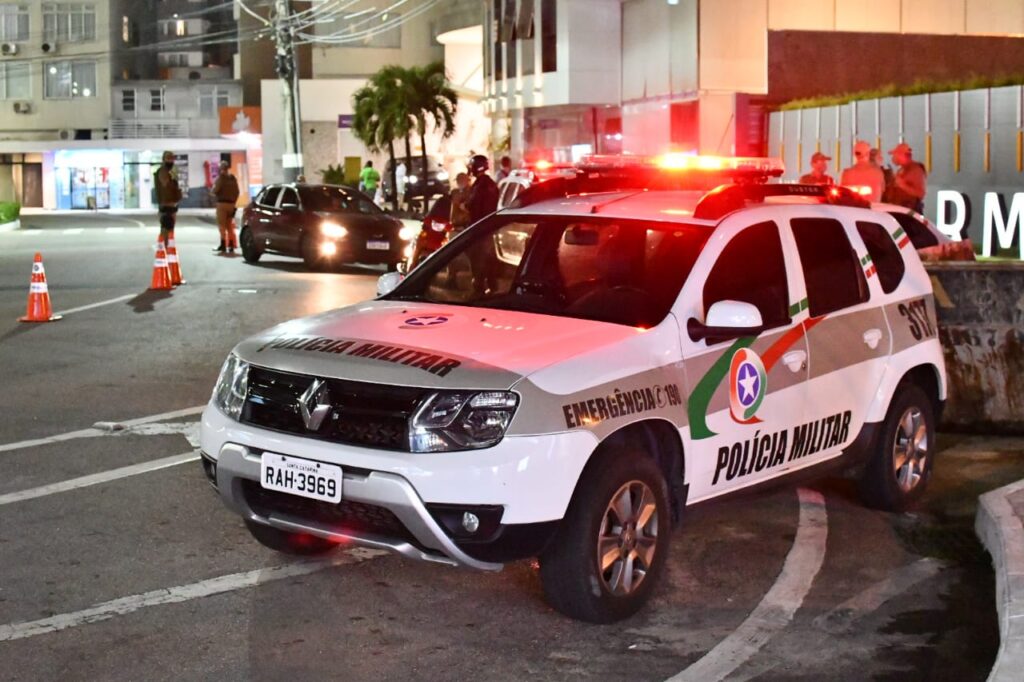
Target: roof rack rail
{"points": [[728, 198]]}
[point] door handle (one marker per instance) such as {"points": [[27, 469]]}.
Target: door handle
{"points": [[872, 337], [796, 360]]}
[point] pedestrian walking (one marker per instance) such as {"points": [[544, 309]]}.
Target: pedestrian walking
{"points": [[504, 169], [168, 195], [910, 184], [819, 171], [866, 178], [226, 192], [369, 178], [460, 218]]}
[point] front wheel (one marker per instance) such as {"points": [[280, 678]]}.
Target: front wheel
{"points": [[310, 255], [611, 548], [298, 544], [250, 252], [901, 467]]}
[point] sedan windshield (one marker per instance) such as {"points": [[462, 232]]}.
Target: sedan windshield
{"points": [[336, 200], [609, 270]]}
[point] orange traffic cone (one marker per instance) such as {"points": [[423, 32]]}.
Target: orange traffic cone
{"points": [[161, 273], [39, 309], [173, 264]]}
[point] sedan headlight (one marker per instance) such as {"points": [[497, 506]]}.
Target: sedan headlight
{"points": [[408, 232], [333, 230], [232, 386], [412, 179], [442, 175], [461, 420]]}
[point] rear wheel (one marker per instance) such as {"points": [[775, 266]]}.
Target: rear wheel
{"points": [[299, 544], [250, 251], [611, 547], [899, 472]]}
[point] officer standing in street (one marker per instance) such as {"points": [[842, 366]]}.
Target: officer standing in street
{"points": [[819, 171], [168, 195], [864, 174], [910, 184], [225, 190], [483, 195]]}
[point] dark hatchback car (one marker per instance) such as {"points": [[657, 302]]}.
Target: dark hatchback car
{"points": [[322, 224]]}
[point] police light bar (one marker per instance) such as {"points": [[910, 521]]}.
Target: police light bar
{"points": [[729, 165]]}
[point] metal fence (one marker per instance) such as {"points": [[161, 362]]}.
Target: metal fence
{"points": [[971, 142]]}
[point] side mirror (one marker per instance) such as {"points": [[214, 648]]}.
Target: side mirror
{"points": [[726, 320], [387, 283]]}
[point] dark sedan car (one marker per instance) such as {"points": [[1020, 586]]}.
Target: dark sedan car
{"points": [[323, 225]]}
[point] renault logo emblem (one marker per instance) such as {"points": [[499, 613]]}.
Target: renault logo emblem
{"points": [[315, 404]]}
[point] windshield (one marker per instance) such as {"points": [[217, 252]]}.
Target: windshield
{"points": [[336, 200], [609, 270]]}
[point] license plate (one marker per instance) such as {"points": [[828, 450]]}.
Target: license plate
{"points": [[378, 245], [303, 477]]}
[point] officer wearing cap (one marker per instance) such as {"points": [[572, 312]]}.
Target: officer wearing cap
{"points": [[910, 183], [818, 174], [864, 174]]}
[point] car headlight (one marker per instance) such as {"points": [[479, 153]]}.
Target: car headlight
{"points": [[461, 420], [232, 386], [333, 230], [411, 179], [442, 175], [408, 232]]}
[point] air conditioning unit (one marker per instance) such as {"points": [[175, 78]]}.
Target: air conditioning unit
{"points": [[23, 107], [8, 49], [66, 134], [49, 48]]}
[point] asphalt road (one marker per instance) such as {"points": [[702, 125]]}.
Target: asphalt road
{"points": [[141, 574]]}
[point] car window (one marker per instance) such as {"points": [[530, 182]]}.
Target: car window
{"points": [[508, 194], [288, 196], [620, 271], [270, 195], [832, 270], [920, 236], [336, 200], [752, 269], [885, 255]]}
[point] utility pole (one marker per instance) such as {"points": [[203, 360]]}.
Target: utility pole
{"points": [[288, 72]]}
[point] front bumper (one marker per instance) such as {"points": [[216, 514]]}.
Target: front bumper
{"points": [[530, 479]]}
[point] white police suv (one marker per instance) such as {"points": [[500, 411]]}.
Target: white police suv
{"points": [[564, 378]]}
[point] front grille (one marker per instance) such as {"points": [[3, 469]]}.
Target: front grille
{"points": [[363, 414], [354, 517]]}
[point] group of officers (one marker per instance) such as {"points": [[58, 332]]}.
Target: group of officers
{"points": [[906, 186]]}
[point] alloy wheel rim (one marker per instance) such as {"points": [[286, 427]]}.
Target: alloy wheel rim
{"points": [[910, 449], [627, 538]]}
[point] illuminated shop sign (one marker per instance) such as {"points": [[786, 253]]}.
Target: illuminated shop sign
{"points": [[1002, 222]]}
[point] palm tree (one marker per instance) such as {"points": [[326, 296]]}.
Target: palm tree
{"points": [[431, 95], [382, 115]]}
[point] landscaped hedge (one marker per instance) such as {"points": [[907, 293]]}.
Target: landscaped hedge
{"points": [[9, 210]]}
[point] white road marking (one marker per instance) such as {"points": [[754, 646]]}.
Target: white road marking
{"points": [[93, 432], [74, 230], [842, 617], [29, 232], [777, 607], [181, 593], [115, 230], [96, 479], [96, 305]]}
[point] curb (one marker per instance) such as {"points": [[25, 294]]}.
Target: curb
{"points": [[1001, 530], [11, 226]]}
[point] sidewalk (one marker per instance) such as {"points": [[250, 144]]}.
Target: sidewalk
{"points": [[201, 212]]}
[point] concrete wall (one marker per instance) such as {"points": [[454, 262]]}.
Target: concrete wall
{"points": [[980, 311]]}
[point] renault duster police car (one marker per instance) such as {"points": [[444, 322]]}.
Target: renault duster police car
{"points": [[563, 379]]}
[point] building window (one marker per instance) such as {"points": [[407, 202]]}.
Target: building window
{"points": [[13, 22], [15, 82], [128, 100], [548, 35], [126, 30], [69, 79], [180, 28], [211, 100], [69, 22], [156, 99]]}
